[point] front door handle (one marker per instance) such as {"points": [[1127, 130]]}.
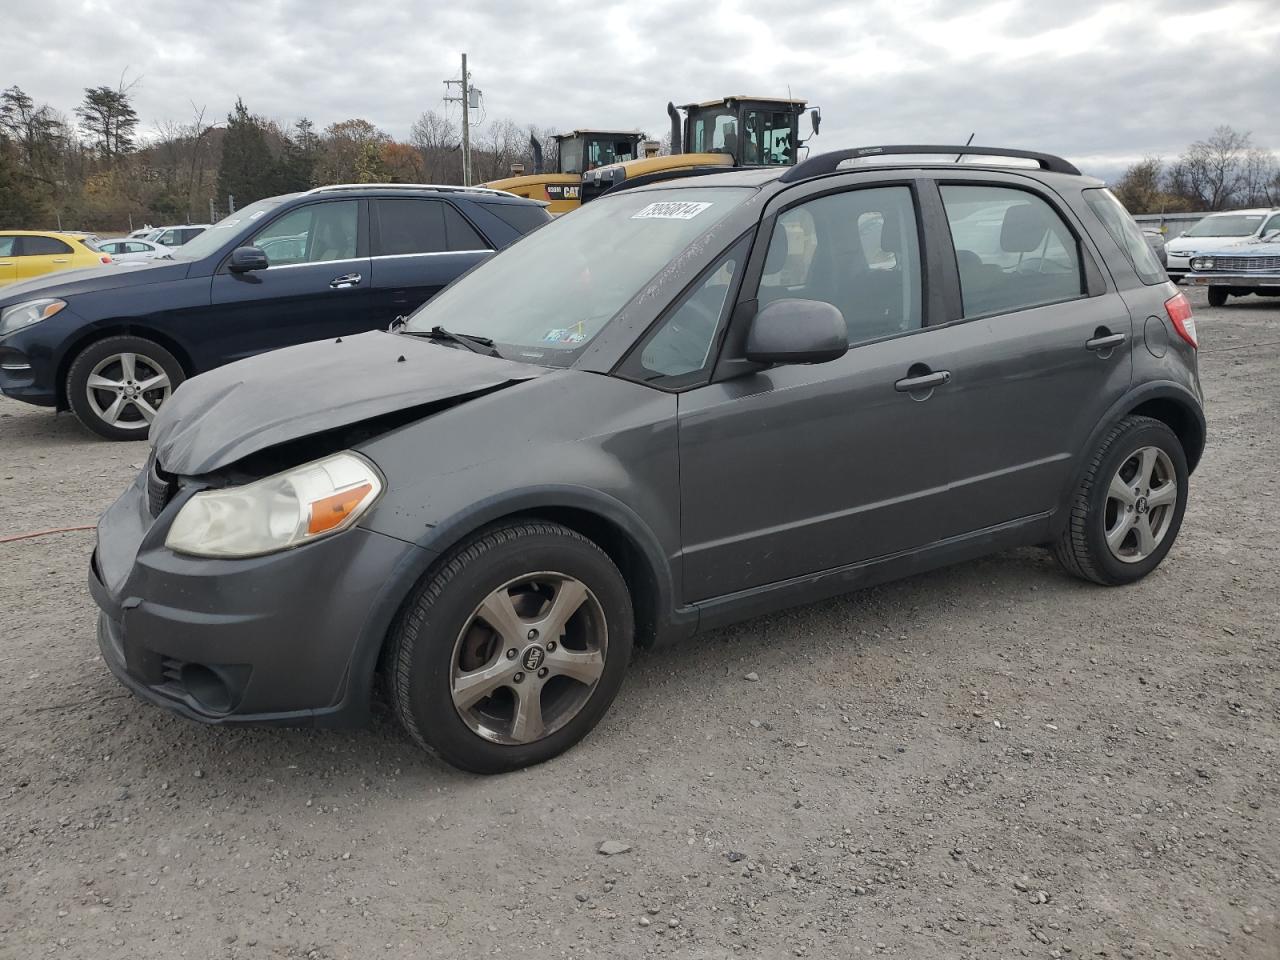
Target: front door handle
{"points": [[1105, 341], [925, 381], [345, 281]]}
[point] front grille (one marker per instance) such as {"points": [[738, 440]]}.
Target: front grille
{"points": [[1245, 264], [161, 487]]}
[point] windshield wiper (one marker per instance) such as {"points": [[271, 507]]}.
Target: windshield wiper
{"points": [[481, 345]]}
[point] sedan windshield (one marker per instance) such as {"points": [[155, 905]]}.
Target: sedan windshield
{"points": [[1226, 225], [545, 298]]}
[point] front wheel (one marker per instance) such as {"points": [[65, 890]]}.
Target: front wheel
{"points": [[116, 386], [1128, 507], [513, 649], [1217, 296]]}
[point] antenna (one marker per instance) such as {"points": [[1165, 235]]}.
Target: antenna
{"points": [[960, 156]]}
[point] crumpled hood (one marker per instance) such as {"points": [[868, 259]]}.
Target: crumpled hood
{"points": [[223, 416], [70, 283]]}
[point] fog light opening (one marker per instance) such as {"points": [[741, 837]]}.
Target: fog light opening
{"points": [[206, 688]]}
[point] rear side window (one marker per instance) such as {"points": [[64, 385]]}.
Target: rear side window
{"points": [[521, 217], [1013, 251], [42, 247], [1127, 235], [406, 227]]}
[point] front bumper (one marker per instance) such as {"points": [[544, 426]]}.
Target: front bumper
{"points": [[1246, 280], [289, 638]]}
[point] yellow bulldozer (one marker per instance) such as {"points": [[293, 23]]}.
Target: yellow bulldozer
{"points": [[576, 153], [715, 134]]}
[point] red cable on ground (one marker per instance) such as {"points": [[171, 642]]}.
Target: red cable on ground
{"points": [[45, 533]]}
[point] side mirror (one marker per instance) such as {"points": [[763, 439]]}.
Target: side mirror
{"points": [[797, 331], [247, 259], [815, 118]]}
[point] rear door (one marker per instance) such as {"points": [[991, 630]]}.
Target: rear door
{"points": [[419, 246], [40, 255], [317, 284], [1040, 353], [8, 259]]}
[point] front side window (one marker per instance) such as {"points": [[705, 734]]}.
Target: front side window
{"points": [[315, 233], [1127, 235], [6, 246], [858, 251], [549, 295], [1012, 250], [1271, 225], [769, 138], [43, 247]]}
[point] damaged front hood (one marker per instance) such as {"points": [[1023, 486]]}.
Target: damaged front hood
{"points": [[222, 416]]}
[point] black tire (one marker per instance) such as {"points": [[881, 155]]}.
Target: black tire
{"points": [[1082, 548], [1217, 296], [422, 643], [133, 425]]}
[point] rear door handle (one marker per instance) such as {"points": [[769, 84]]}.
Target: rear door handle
{"points": [[926, 382], [1105, 342], [61, 260], [347, 280]]}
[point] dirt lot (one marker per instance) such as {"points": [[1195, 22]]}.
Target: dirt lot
{"points": [[989, 761]]}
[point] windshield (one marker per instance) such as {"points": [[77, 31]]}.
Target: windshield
{"points": [[1227, 225], [545, 298], [211, 240]]}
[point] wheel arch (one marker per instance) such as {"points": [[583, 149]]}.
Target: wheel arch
{"points": [[118, 327]]}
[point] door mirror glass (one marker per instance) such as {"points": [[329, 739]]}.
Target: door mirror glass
{"points": [[797, 331], [247, 259]]}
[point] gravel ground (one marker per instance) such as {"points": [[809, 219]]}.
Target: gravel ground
{"points": [[993, 760]]}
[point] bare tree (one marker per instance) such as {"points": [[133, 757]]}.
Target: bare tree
{"points": [[1211, 173]]}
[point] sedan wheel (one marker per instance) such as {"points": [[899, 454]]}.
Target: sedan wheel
{"points": [[529, 658], [1140, 502], [512, 648], [126, 390]]}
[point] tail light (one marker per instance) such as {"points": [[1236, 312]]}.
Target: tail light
{"points": [[105, 258], [1179, 309]]}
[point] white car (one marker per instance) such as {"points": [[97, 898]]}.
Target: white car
{"points": [[126, 250], [1238, 269], [1239, 226]]}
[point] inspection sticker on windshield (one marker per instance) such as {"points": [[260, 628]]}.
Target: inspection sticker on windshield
{"points": [[670, 210]]}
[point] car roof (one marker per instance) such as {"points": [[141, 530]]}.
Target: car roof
{"points": [[60, 234], [1251, 211]]}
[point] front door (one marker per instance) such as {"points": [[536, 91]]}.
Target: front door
{"points": [[317, 284], [797, 469]]}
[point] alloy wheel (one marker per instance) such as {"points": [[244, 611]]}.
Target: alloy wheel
{"points": [[126, 390], [1140, 504], [528, 658]]}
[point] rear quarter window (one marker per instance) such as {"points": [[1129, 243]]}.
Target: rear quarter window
{"points": [[1127, 235], [521, 217]]}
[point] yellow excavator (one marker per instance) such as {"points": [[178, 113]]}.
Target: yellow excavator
{"points": [[576, 153], [715, 134]]}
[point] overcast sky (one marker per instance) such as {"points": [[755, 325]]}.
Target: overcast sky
{"points": [[1100, 82]]}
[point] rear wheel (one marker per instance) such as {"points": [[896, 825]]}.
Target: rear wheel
{"points": [[116, 386], [1128, 508], [1217, 296], [513, 650]]}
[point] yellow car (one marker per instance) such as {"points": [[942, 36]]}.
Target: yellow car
{"points": [[26, 253]]}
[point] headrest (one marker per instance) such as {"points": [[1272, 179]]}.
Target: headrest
{"points": [[1024, 227]]}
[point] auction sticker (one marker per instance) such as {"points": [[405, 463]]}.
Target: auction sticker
{"points": [[670, 210]]}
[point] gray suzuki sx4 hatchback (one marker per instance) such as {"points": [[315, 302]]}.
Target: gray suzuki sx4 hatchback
{"points": [[687, 403]]}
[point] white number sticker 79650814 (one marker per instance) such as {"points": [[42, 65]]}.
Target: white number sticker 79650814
{"points": [[671, 210]]}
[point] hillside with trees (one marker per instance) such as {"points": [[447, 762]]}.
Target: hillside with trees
{"points": [[1226, 171], [96, 169]]}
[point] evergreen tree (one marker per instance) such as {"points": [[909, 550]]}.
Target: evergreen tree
{"points": [[247, 170]]}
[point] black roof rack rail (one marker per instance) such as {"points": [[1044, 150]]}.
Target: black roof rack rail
{"points": [[829, 162]]}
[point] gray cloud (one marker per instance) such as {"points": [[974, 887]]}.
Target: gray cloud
{"points": [[1098, 81]]}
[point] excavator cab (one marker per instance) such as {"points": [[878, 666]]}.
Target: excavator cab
{"points": [[576, 153], [753, 131], [716, 134]]}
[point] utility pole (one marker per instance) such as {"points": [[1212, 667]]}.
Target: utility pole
{"points": [[465, 99]]}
